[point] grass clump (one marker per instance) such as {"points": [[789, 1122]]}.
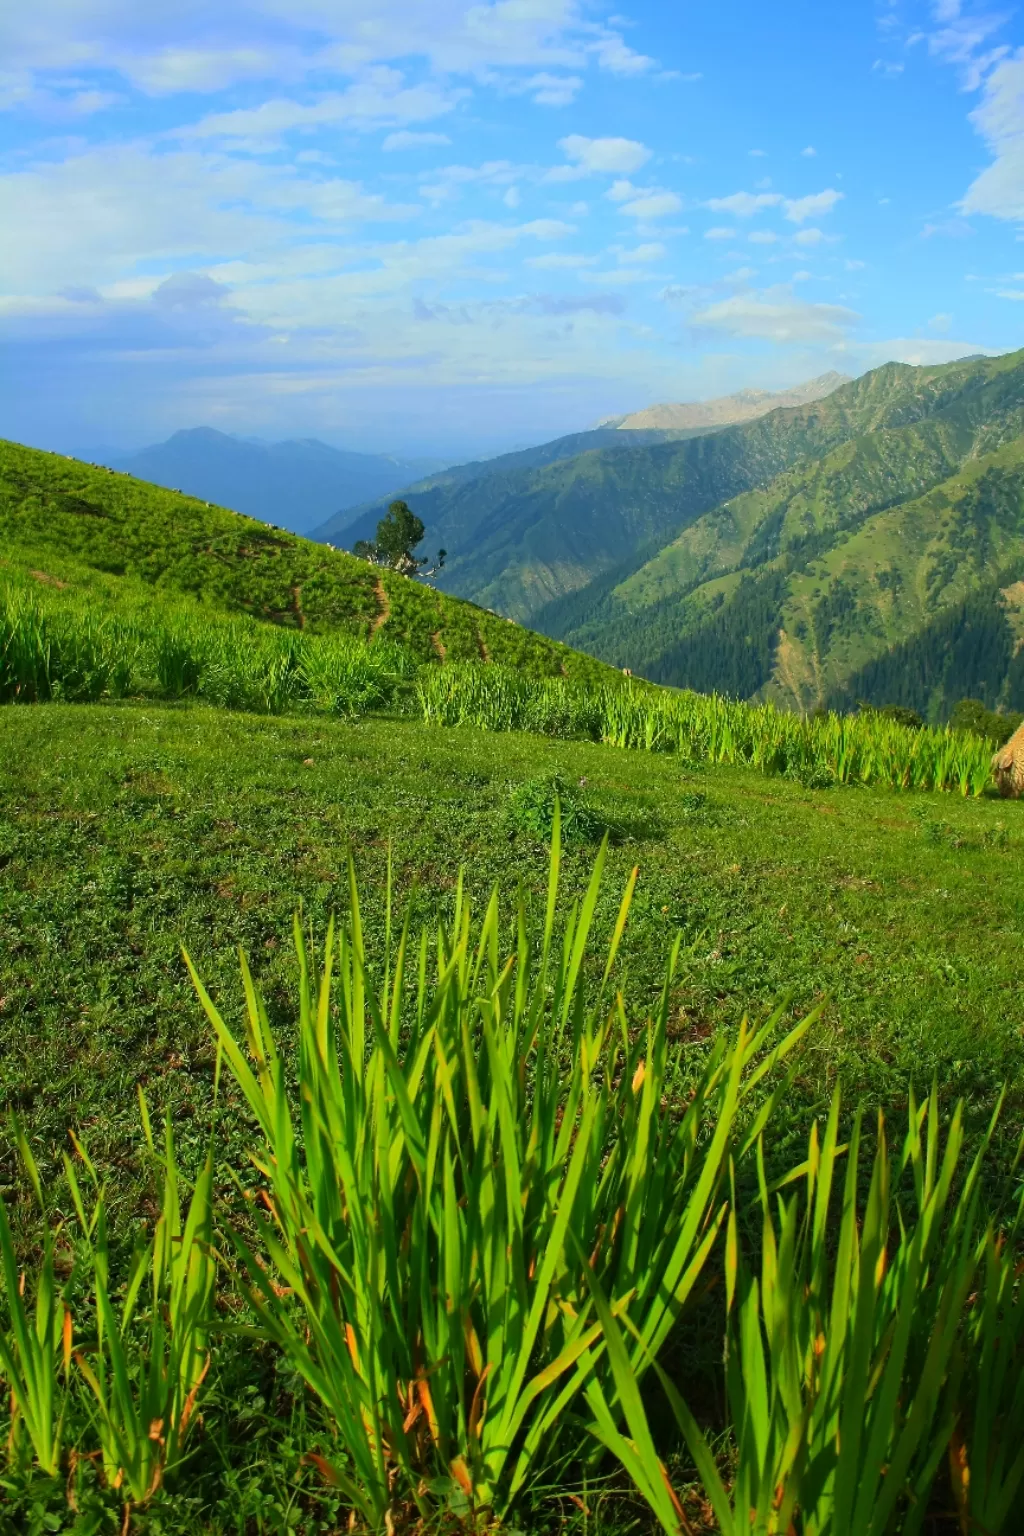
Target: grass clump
{"points": [[704, 728], [534, 804], [866, 1354]]}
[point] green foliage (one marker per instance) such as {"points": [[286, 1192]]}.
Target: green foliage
{"points": [[825, 750], [971, 715], [533, 805], [967, 648], [910, 717], [398, 535], [461, 1155], [35, 1344], [844, 1368], [60, 650], [146, 1385]]}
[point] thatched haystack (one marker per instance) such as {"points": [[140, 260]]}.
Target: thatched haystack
{"points": [[1008, 767]]}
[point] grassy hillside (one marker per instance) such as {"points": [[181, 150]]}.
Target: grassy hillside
{"points": [[71, 528], [543, 542], [801, 589]]}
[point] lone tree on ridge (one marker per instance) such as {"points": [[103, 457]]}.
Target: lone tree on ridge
{"points": [[398, 535]]}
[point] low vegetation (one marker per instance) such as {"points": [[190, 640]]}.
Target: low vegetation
{"points": [[479, 1201], [831, 749]]}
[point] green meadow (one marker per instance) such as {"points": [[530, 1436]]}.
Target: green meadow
{"points": [[459, 1095]]}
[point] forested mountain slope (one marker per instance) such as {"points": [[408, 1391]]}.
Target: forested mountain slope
{"points": [[438, 484], [886, 568], [121, 543], [524, 541]]}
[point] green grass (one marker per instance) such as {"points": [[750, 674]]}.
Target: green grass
{"points": [[127, 546], [129, 830]]}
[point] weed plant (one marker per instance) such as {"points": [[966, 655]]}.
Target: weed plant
{"points": [[534, 804], [869, 1353], [61, 652], [704, 728]]}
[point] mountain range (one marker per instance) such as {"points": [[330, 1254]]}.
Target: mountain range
{"points": [[867, 545], [745, 405], [295, 484]]}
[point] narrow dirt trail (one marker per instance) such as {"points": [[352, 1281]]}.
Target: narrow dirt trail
{"points": [[383, 607], [438, 644], [300, 617], [485, 654]]}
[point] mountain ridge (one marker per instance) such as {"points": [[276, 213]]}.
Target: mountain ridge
{"points": [[295, 483], [815, 588], [727, 410]]}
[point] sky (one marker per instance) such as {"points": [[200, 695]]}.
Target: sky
{"points": [[451, 228]]}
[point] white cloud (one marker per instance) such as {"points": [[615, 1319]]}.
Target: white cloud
{"points": [[940, 322], [446, 182], [743, 205], [1008, 293], [809, 152], [887, 68], [774, 314], [166, 47], [854, 266], [809, 237], [547, 229], [800, 208], [512, 198], [719, 232], [653, 205], [608, 156], [622, 190], [127, 206], [947, 229], [380, 100], [652, 251], [963, 40], [553, 90], [619, 277], [763, 237], [757, 154], [999, 118], [404, 139], [560, 261], [613, 54], [801, 277]]}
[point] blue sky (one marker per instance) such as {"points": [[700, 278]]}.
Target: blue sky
{"points": [[448, 227]]}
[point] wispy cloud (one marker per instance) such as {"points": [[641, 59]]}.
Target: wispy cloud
{"points": [[774, 314], [743, 205]]}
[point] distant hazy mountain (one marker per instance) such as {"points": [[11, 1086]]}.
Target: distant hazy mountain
{"points": [[745, 405], [297, 484]]}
